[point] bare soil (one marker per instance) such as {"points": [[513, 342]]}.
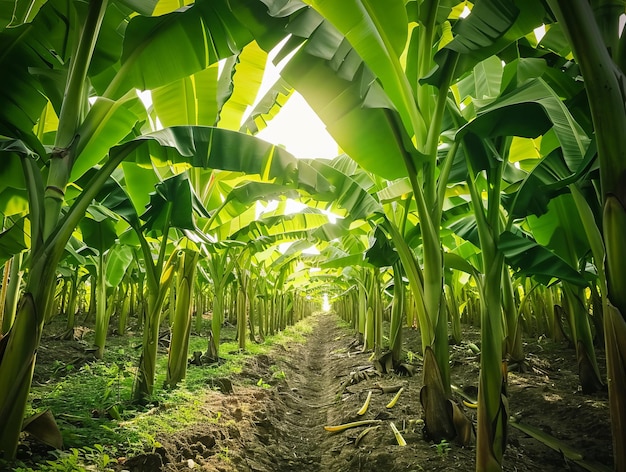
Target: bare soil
{"points": [[278, 426]]}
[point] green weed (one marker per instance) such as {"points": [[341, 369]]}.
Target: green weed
{"points": [[442, 448]]}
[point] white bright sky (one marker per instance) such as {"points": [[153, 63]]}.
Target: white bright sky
{"points": [[296, 126]]}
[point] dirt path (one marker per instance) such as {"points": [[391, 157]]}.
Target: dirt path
{"points": [[302, 402], [273, 420]]}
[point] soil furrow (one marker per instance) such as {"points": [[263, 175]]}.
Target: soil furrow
{"points": [[274, 419], [299, 408]]}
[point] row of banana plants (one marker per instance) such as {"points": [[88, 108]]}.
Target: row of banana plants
{"points": [[482, 149], [487, 109], [87, 174]]}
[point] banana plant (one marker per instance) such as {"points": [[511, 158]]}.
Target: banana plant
{"points": [[220, 265], [71, 274], [98, 232], [489, 152], [181, 329], [58, 57], [171, 206], [594, 36], [558, 230], [400, 113]]}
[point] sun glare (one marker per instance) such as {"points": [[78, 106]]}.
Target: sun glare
{"points": [[300, 131], [540, 32], [296, 127], [326, 303]]}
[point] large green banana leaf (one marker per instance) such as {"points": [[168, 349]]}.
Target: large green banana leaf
{"points": [[188, 101], [119, 261], [243, 83], [15, 239], [381, 253], [347, 194], [530, 258], [529, 111], [174, 192], [159, 50], [491, 27], [521, 251], [377, 30], [356, 113], [222, 149], [34, 45], [107, 123], [98, 229]]}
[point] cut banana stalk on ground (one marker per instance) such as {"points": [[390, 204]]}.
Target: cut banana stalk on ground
{"points": [[354, 424], [396, 433], [395, 398], [363, 433], [366, 405]]}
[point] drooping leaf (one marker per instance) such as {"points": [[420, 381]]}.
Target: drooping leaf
{"points": [[118, 262], [267, 107], [245, 82], [171, 204], [43, 426], [215, 148], [159, 50], [382, 252], [491, 26], [377, 30], [99, 233], [354, 108], [529, 111], [560, 230], [347, 193], [14, 239], [529, 258]]}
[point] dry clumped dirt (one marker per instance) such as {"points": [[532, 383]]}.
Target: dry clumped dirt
{"points": [[279, 425]]}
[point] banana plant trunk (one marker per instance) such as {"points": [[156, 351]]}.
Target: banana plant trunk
{"points": [[19, 349], [433, 323], [361, 311], [262, 313], [453, 315], [3, 295], [181, 329], [493, 413], [397, 310], [252, 315], [514, 350], [71, 307], [127, 300], [102, 314], [603, 76], [216, 325], [581, 336], [241, 317], [144, 384], [12, 292]]}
